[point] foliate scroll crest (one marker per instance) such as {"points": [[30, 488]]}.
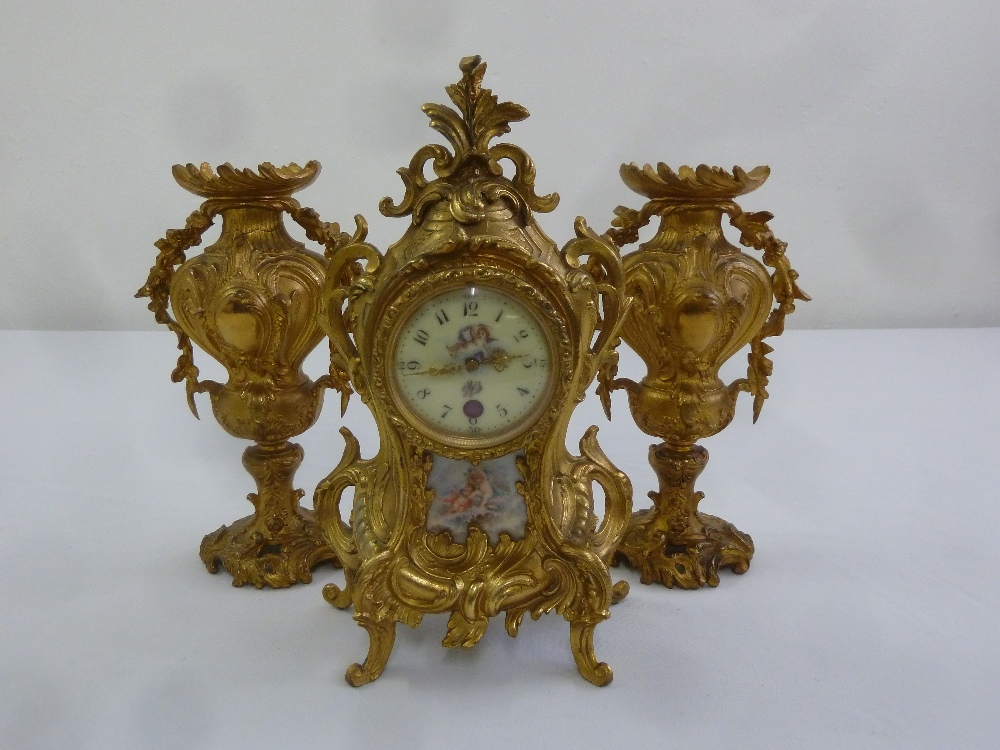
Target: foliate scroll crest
{"points": [[755, 233], [479, 118], [604, 266], [174, 244], [343, 276], [593, 465]]}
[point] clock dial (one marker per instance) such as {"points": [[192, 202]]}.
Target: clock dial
{"points": [[473, 362]]}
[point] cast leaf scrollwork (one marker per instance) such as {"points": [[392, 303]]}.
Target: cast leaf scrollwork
{"points": [[472, 176], [604, 269]]}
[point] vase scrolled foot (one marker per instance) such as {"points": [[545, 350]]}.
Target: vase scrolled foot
{"points": [[689, 559], [252, 553], [280, 543]]}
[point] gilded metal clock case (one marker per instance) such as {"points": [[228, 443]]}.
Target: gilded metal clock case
{"points": [[445, 520]]}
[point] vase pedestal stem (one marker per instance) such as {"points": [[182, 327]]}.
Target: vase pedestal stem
{"points": [[672, 543], [280, 543]]}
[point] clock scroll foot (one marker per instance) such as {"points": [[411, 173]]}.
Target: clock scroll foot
{"points": [[619, 591], [341, 598], [381, 634], [581, 640], [338, 597]]}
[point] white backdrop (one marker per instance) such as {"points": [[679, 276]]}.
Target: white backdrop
{"points": [[878, 120]]}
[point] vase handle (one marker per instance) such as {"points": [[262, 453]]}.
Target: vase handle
{"points": [[755, 233], [343, 251], [172, 247]]}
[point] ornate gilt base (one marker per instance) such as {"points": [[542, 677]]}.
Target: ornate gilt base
{"points": [[672, 543], [280, 543]]}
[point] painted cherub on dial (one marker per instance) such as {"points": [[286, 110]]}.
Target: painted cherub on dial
{"points": [[474, 342]]}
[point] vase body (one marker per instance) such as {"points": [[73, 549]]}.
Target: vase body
{"points": [[251, 301], [697, 300]]}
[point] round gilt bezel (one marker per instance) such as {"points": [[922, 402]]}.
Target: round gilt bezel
{"points": [[414, 427]]}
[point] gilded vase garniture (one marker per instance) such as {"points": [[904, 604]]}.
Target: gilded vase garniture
{"points": [[697, 300], [472, 237], [252, 301], [471, 340]]}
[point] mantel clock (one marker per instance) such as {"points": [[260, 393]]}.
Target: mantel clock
{"points": [[471, 340]]}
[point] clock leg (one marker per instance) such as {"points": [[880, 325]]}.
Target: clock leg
{"points": [[673, 543], [581, 641], [280, 543], [381, 635], [338, 597]]}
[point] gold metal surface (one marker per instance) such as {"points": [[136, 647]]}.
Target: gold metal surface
{"points": [[697, 301], [252, 302], [473, 225]]}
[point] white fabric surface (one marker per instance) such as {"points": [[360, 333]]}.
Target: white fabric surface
{"points": [[868, 617]]}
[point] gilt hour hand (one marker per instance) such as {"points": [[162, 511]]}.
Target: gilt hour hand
{"points": [[446, 370], [498, 359]]}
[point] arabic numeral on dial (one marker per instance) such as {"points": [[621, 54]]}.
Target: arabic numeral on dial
{"points": [[501, 411], [473, 420], [536, 362], [411, 365], [471, 309], [422, 337], [423, 393], [523, 391], [442, 317], [447, 409], [475, 430], [495, 320], [520, 335]]}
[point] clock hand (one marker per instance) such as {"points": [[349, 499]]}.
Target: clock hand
{"points": [[446, 370], [498, 359]]}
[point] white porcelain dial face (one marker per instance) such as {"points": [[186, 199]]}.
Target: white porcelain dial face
{"points": [[473, 362]]}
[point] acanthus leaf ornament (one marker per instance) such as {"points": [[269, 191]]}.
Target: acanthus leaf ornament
{"points": [[466, 173], [697, 301]]}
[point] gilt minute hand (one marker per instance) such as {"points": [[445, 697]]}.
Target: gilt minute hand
{"points": [[498, 360]]}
